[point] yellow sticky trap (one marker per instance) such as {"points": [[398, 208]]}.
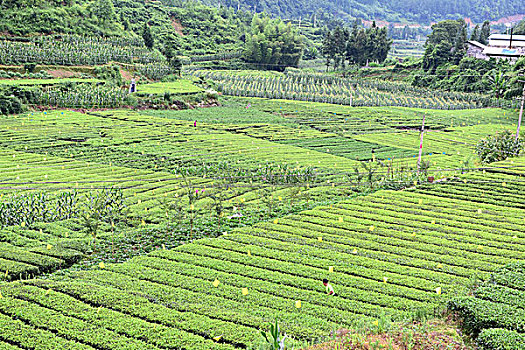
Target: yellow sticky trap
{"points": [[23, 224], [330, 269], [1, 296], [438, 290], [298, 304], [192, 207], [280, 198], [101, 265], [242, 200], [371, 228], [139, 201], [433, 222], [354, 251], [217, 338], [320, 239], [439, 266], [375, 323], [340, 219], [385, 279], [163, 246], [143, 223], [420, 201], [480, 211], [49, 246], [216, 283], [415, 182], [480, 247], [245, 291], [98, 309], [413, 234], [6, 272], [276, 221], [504, 184], [249, 253], [465, 181]]}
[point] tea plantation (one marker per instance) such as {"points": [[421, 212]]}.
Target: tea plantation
{"points": [[194, 229]]}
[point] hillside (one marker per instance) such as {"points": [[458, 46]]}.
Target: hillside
{"points": [[392, 10], [189, 28]]}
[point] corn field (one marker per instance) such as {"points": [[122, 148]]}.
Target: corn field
{"points": [[344, 91], [76, 50], [155, 70], [83, 96]]}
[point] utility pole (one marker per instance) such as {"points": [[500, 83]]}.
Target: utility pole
{"points": [[421, 144], [521, 110]]}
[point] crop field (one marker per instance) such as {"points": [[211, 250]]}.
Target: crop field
{"points": [[180, 86], [46, 81], [325, 88], [194, 229]]}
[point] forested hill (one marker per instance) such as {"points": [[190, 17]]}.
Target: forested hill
{"points": [[423, 11], [189, 27]]}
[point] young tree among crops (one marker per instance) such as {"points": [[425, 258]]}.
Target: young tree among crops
{"points": [[273, 44]]}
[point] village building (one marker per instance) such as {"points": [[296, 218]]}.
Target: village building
{"points": [[500, 46]]}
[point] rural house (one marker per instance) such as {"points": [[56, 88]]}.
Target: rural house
{"points": [[503, 46]]}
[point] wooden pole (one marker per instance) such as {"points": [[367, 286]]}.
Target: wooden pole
{"points": [[421, 144]]}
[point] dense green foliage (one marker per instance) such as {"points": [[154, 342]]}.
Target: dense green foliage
{"points": [[420, 11], [273, 44], [499, 147], [358, 46], [445, 44]]}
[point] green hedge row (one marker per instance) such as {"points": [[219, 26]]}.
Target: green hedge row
{"points": [[16, 331], [106, 318], [501, 339]]}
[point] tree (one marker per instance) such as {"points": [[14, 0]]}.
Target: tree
{"points": [[445, 44], [328, 49], [484, 33], [148, 37], [520, 28], [273, 44], [103, 10], [497, 82], [475, 33]]}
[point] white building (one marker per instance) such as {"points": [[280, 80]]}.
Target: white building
{"points": [[502, 46]]}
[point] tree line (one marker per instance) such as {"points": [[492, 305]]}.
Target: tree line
{"points": [[356, 46]]}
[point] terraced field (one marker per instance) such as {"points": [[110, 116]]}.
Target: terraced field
{"points": [[225, 226]]}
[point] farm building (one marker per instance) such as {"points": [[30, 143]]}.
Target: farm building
{"points": [[502, 46]]}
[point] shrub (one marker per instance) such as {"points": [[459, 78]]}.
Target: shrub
{"points": [[499, 147], [30, 67], [10, 104]]}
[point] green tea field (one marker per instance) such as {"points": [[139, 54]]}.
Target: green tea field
{"points": [[194, 229]]}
